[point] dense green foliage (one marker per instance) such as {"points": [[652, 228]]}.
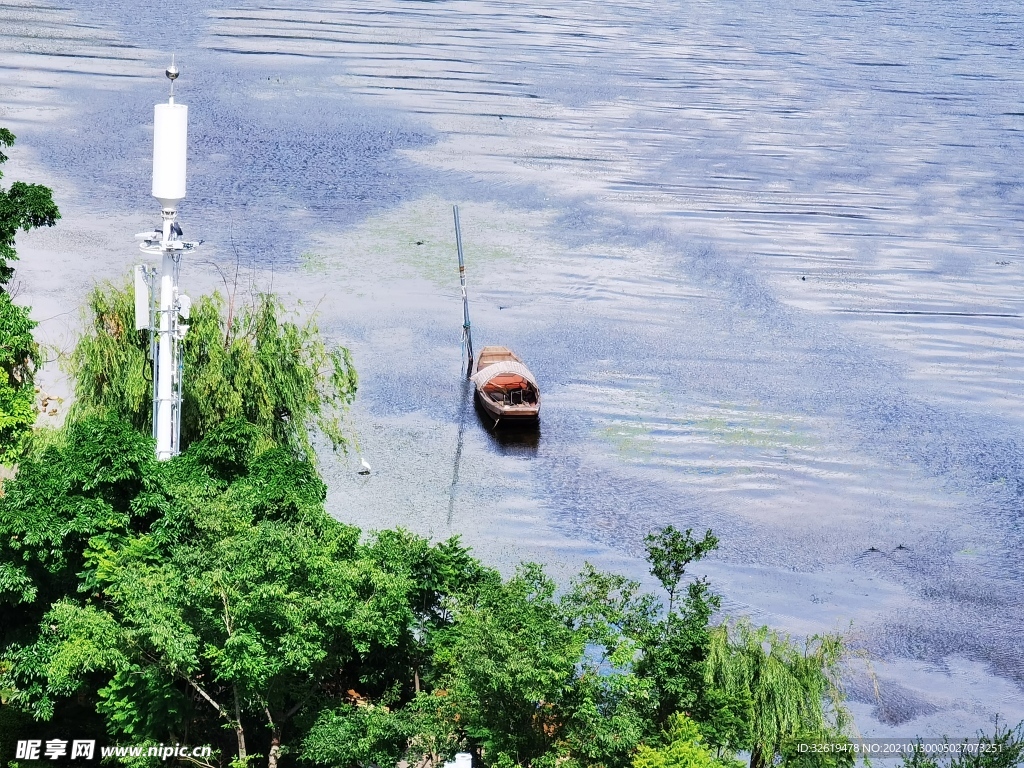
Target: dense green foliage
{"points": [[1003, 749], [247, 364], [206, 591], [793, 693], [22, 208], [211, 599], [18, 355], [683, 747]]}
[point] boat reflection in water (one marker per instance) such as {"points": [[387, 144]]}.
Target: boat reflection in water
{"points": [[512, 438]]}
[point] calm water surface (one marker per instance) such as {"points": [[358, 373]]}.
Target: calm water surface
{"points": [[765, 261]]}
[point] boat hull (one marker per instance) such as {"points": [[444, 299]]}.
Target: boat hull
{"points": [[500, 413]]}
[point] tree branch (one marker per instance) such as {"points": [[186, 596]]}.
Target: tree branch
{"points": [[297, 707], [227, 615], [202, 763], [208, 697]]}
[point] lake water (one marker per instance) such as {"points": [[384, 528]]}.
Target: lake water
{"points": [[764, 260]]}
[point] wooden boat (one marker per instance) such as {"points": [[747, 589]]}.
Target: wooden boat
{"points": [[505, 388]]}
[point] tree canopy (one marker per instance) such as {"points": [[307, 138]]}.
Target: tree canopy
{"points": [[211, 598], [683, 746], [23, 207], [207, 591]]}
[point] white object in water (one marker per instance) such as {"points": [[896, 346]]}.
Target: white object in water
{"points": [[366, 467]]}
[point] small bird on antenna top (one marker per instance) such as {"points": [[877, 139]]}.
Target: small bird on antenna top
{"points": [[366, 467]]}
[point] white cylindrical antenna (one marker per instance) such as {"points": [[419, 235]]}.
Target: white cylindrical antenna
{"points": [[170, 140], [170, 136]]}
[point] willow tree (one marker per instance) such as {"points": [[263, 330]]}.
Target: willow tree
{"points": [[249, 364], [22, 207], [794, 692]]}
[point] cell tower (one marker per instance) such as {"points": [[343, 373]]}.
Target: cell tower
{"points": [[161, 310]]}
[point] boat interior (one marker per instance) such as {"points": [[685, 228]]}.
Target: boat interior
{"points": [[490, 355], [510, 389]]}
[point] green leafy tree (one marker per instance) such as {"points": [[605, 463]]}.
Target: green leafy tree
{"points": [[248, 364], [669, 552], [366, 735], [675, 650], [23, 207], [235, 604], [83, 484], [585, 679], [413, 717], [794, 693], [510, 662], [213, 592], [89, 482], [18, 355], [610, 708], [683, 747], [439, 579]]}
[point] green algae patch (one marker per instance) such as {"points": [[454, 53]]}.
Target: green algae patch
{"points": [[642, 423], [633, 442], [418, 238], [751, 430], [313, 263]]}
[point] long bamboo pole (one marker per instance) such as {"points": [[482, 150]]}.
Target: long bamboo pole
{"points": [[467, 331]]}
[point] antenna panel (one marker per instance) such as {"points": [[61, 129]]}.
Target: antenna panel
{"points": [[142, 301]]}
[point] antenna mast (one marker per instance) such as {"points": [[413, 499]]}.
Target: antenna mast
{"points": [[467, 331], [170, 134]]}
